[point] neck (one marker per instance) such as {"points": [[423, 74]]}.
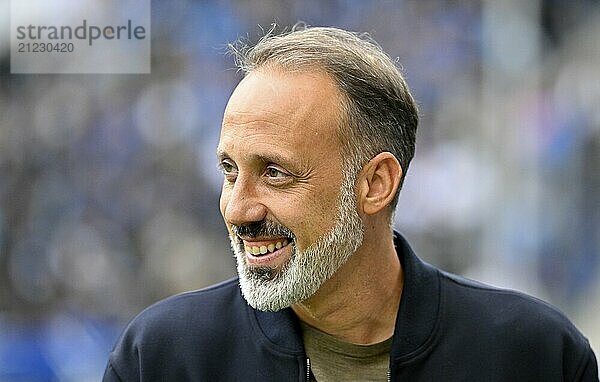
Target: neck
{"points": [[360, 302]]}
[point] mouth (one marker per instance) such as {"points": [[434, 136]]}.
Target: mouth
{"points": [[266, 251], [264, 247]]}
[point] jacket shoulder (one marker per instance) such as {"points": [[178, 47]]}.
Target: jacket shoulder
{"points": [[500, 306], [188, 310], [516, 327], [181, 329]]}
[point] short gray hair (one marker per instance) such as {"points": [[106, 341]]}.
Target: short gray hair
{"points": [[378, 112]]}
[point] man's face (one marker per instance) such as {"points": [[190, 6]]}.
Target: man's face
{"points": [[290, 211]]}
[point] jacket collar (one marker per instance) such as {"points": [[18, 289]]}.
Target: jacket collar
{"points": [[418, 315], [416, 321]]}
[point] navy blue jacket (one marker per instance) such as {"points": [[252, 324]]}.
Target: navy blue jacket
{"points": [[448, 329]]}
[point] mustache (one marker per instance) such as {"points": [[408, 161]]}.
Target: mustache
{"points": [[263, 228]]}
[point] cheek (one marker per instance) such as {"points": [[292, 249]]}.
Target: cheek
{"points": [[311, 217]]}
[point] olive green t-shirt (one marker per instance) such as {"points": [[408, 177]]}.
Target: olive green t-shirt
{"points": [[334, 360]]}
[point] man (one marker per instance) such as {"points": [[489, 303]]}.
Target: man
{"points": [[315, 144]]}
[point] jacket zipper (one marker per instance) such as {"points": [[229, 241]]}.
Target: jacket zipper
{"points": [[389, 372]]}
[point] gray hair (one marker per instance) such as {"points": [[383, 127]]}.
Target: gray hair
{"points": [[378, 112]]}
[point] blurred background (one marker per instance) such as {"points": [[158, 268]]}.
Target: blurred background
{"points": [[109, 187]]}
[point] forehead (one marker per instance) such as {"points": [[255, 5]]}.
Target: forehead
{"points": [[299, 111]]}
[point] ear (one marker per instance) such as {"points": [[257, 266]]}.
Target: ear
{"points": [[379, 180]]}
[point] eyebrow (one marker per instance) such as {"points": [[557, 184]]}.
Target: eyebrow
{"points": [[221, 154]]}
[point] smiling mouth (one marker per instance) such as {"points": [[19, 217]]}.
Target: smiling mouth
{"points": [[262, 248]]}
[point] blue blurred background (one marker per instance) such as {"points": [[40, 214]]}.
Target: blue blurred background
{"points": [[109, 188]]}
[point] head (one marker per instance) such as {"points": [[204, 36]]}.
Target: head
{"points": [[378, 113], [319, 115]]}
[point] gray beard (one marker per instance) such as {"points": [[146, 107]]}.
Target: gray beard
{"points": [[270, 290]]}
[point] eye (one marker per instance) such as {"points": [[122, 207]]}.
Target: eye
{"points": [[274, 172], [277, 176], [228, 169]]}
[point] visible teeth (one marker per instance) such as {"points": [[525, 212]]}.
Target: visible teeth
{"points": [[254, 250]]}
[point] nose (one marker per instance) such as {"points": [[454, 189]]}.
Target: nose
{"points": [[241, 204]]}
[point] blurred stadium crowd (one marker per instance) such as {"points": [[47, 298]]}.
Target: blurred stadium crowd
{"points": [[109, 188]]}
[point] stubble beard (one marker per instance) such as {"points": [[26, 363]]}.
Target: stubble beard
{"points": [[268, 289]]}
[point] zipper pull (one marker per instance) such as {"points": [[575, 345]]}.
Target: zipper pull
{"points": [[307, 369]]}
